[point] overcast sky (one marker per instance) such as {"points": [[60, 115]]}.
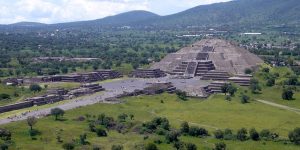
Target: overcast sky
{"points": [[54, 11]]}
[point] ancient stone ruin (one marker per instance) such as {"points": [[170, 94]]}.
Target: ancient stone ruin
{"points": [[207, 55], [147, 73]]}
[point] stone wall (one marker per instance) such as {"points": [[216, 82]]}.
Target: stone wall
{"points": [[16, 106]]}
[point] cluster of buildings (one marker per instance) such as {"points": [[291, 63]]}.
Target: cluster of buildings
{"points": [[62, 59], [53, 96], [88, 77]]}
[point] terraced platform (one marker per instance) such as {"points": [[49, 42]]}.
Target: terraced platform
{"points": [[226, 56]]}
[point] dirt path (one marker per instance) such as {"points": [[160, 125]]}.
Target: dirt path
{"points": [[296, 110]]}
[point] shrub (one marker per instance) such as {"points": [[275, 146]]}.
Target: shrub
{"points": [[197, 132], [101, 132], [4, 96], [179, 145], [5, 134], [254, 86], [248, 71], [219, 134], [117, 147], [270, 82], [181, 95], [35, 88], [220, 146], [266, 70], [244, 99], [228, 135], [97, 147], [242, 134], [172, 136], [191, 146], [287, 94], [151, 146], [122, 117], [156, 123], [294, 136], [265, 134], [4, 146], [185, 127], [254, 134], [68, 146]]}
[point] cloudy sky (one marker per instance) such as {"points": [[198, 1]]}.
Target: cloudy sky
{"points": [[54, 11]]}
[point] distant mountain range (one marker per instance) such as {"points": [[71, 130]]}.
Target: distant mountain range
{"points": [[236, 12]]}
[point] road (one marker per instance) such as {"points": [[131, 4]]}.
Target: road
{"points": [[112, 89]]}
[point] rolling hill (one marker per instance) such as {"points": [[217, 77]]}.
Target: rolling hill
{"points": [[236, 12], [248, 12]]}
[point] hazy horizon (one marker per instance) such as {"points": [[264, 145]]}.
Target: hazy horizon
{"points": [[55, 11]]}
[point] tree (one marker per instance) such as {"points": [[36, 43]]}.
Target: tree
{"points": [[228, 88], [224, 88], [57, 112], [242, 134], [31, 121], [185, 127], [219, 134], [220, 146], [35, 88], [231, 90], [294, 136], [151, 146], [254, 134], [287, 94]]}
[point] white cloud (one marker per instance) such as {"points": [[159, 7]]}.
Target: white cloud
{"points": [[53, 11]]}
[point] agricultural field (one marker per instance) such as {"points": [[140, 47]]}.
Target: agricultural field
{"points": [[211, 114]]}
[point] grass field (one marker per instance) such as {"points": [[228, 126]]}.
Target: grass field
{"points": [[274, 94], [16, 94], [214, 113]]}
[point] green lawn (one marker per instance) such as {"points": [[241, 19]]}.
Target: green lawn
{"points": [[211, 114]]}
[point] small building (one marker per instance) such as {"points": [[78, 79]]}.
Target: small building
{"points": [[12, 81], [93, 87], [46, 99], [148, 73]]}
